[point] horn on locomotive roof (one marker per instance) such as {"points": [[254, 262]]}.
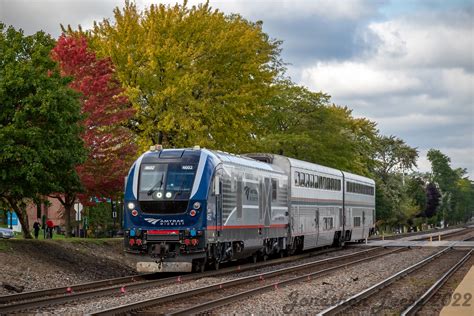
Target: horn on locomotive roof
{"points": [[156, 147]]}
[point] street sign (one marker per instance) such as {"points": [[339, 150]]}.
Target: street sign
{"points": [[78, 208], [12, 218]]}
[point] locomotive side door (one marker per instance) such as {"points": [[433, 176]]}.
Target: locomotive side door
{"points": [[267, 202], [363, 224], [316, 224], [214, 207], [218, 192]]}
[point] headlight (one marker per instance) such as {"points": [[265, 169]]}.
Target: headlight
{"points": [[131, 205], [196, 205], [168, 195]]}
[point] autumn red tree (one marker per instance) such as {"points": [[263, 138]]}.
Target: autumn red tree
{"points": [[106, 110]]}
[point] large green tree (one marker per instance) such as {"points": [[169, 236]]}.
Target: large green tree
{"points": [[393, 155], [456, 192], [305, 125], [39, 134], [193, 74], [392, 159]]}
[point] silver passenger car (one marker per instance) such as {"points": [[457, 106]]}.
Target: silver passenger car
{"points": [[326, 206]]}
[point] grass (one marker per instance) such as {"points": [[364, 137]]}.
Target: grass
{"points": [[62, 238], [4, 247]]}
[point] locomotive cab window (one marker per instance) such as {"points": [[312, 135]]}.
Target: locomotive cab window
{"points": [[152, 177], [166, 177]]}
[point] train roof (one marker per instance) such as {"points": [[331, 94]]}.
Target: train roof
{"points": [[253, 163], [355, 177], [270, 158], [314, 167], [244, 161]]}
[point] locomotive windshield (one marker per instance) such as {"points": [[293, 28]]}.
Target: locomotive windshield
{"points": [[166, 178], [165, 188]]}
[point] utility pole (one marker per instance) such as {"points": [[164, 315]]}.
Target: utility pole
{"points": [[114, 215]]}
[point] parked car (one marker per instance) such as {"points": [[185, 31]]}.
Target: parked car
{"points": [[6, 233]]}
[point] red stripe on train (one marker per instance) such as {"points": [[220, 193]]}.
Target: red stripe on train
{"points": [[247, 226], [163, 232]]}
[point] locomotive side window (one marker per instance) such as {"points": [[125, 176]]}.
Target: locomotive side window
{"points": [[239, 197], [274, 189], [297, 178]]}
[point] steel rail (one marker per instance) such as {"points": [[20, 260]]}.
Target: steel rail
{"points": [[65, 297], [448, 235], [146, 304], [4, 299], [72, 292], [423, 299], [344, 304], [414, 234]]}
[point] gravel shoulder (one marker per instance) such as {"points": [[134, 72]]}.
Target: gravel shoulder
{"points": [[38, 264], [310, 297]]}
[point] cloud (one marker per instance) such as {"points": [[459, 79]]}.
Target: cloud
{"points": [[311, 30], [295, 9], [408, 65], [417, 82], [47, 15], [343, 79], [426, 40], [460, 158]]}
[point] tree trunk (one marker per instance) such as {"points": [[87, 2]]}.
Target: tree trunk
{"points": [[67, 201], [68, 204], [25, 225], [22, 216]]}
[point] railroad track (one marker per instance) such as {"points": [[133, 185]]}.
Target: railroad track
{"points": [[6, 299], [222, 293], [449, 236], [431, 231], [38, 299], [390, 295], [426, 296]]}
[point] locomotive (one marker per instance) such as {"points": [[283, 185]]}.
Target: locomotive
{"points": [[188, 208]]}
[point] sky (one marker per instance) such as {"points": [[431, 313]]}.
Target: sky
{"points": [[407, 65]]}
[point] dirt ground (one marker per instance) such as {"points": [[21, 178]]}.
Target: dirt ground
{"points": [[38, 264]]}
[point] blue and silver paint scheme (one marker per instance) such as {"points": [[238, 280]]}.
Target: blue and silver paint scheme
{"points": [[206, 163], [237, 206], [159, 237]]}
